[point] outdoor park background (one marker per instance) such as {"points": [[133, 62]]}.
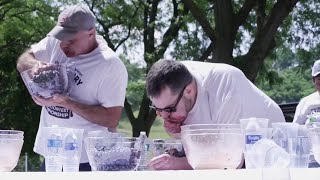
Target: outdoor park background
{"points": [[273, 42]]}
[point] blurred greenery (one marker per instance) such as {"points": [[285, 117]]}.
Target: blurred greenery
{"points": [[157, 130]]}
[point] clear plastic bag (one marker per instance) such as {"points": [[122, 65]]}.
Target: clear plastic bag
{"points": [[48, 80]]}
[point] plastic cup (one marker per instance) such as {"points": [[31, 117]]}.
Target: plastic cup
{"points": [[283, 131], [262, 122], [265, 153], [299, 150], [315, 143]]}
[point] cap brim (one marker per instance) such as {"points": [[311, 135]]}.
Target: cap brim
{"points": [[315, 74], [62, 33]]}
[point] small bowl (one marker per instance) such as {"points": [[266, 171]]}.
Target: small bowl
{"points": [[113, 154]]}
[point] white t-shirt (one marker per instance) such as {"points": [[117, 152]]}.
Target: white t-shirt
{"points": [[100, 79], [225, 96], [307, 105]]}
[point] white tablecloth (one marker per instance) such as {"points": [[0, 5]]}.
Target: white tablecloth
{"points": [[237, 174]]}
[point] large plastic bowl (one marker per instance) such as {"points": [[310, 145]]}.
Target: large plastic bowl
{"points": [[11, 142], [211, 126], [53, 79], [113, 154], [11, 134], [213, 146]]}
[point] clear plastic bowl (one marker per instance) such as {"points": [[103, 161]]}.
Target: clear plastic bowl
{"points": [[11, 134], [10, 150], [113, 154], [214, 146], [44, 82]]}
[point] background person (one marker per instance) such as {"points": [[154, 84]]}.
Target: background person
{"points": [[309, 105], [192, 92], [97, 95]]}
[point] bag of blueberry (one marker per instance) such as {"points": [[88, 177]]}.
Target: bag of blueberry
{"points": [[46, 80]]}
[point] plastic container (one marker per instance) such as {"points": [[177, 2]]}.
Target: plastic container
{"points": [[217, 147], [11, 142], [113, 154], [48, 80]]}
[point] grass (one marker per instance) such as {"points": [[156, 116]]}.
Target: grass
{"points": [[157, 131]]}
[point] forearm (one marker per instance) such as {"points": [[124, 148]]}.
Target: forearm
{"points": [[107, 117], [26, 61]]}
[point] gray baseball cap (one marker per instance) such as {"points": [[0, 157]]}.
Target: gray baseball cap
{"points": [[72, 20]]}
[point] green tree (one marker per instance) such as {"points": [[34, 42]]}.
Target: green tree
{"points": [[22, 22]]}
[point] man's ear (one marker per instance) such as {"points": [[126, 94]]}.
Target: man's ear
{"points": [[92, 31]]}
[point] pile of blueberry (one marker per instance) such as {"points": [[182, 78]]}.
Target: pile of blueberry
{"points": [[48, 82], [45, 76], [175, 152], [118, 165]]}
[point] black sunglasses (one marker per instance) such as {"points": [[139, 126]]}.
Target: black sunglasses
{"points": [[170, 109]]}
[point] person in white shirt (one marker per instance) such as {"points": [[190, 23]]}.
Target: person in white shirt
{"points": [[310, 105], [97, 93], [192, 92]]}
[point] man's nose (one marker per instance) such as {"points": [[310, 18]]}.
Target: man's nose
{"points": [[64, 44]]}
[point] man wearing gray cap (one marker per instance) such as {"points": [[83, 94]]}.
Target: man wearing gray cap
{"points": [[309, 106], [99, 81]]}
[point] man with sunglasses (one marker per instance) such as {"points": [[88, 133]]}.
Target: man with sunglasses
{"points": [[192, 92]]}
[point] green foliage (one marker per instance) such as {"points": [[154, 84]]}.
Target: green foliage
{"points": [[292, 88], [287, 78], [157, 129], [24, 22]]}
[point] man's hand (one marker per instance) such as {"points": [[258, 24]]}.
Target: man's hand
{"points": [[55, 100], [168, 162]]}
